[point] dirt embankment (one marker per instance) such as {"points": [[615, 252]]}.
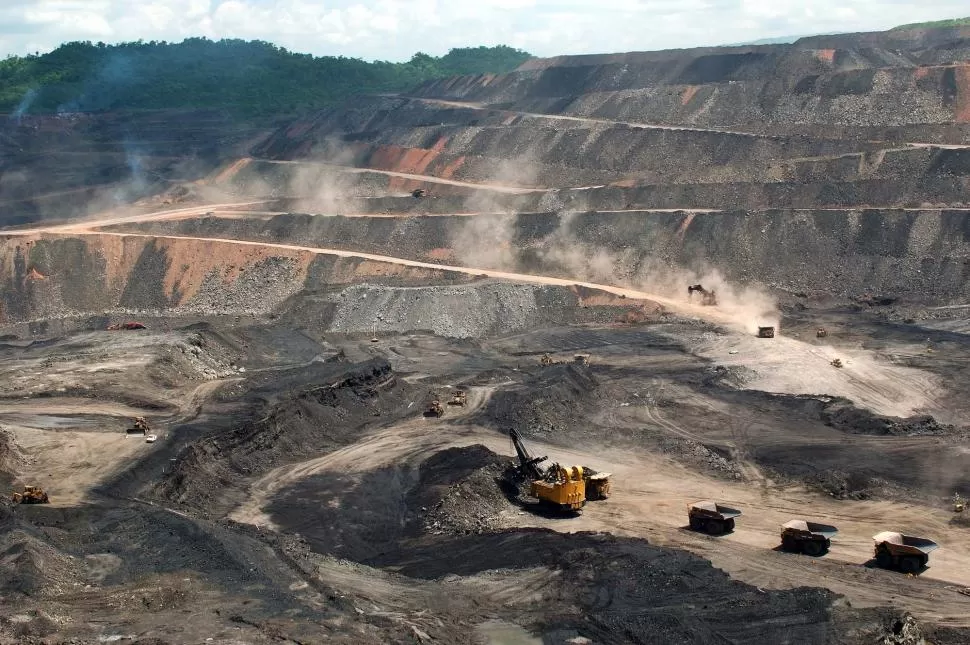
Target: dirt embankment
{"points": [[441, 518], [47, 279], [331, 408], [918, 254]]}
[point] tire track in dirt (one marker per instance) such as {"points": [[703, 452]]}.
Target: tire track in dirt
{"points": [[649, 501], [782, 364]]}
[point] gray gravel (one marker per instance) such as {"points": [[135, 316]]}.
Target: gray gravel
{"points": [[458, 312]]}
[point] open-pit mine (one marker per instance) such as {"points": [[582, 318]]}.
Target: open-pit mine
{"points": [[261, 387]]}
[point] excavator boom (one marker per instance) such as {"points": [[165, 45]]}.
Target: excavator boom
{"points": [[527, 463]]}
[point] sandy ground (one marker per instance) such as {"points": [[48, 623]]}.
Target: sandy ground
{"points": [[783, 364], [650, 497], [788, 365], [68, 443], [70, 464]]}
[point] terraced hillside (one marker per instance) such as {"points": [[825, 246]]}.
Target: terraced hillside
{"points": [[309, 290]]}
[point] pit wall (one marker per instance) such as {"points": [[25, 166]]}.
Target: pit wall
{"points": [[526, 151], [751, 89], [922, 255], [43, 278], [56, 285], [909, 177]]}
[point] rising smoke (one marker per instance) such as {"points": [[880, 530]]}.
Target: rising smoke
{"points": [[25, 104]]}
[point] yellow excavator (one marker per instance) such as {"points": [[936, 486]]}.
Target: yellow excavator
{"points": [[31, 495], [565, 488]]}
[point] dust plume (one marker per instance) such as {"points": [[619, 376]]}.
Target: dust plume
{"points": [[487, 240], [322, 189], [749, 306], [565, 254]]}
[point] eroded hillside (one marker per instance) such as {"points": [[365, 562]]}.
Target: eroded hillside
{"points": [[331, 325]]}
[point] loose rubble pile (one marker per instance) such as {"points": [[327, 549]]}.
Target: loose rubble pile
{"points": [[458, 492]]}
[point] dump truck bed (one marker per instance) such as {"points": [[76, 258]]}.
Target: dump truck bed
{"points": [[815, 528], [715, 509], [900, 543]]}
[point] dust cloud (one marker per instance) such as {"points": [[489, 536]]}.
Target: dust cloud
{"points": [[490, 242], [749, 306], [321, 189], [486, 241]]}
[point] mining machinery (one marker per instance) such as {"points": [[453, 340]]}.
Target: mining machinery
{"points": [[31, 495], [810, 538], [904, 553], [460, 398], [139, 426], [558, 487], [708, 298], [712, 518], [566, 488], [766, 332], [435, 409]]}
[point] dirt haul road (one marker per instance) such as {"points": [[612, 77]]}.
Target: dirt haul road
{"points": [[634, 124], [649, 501], [782, 364]]}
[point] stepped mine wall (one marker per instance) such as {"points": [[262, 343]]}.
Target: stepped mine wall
{"points": [[747, 91], [913, 179], [543, 155], [67, 283], [921, 255], [96, 275]]}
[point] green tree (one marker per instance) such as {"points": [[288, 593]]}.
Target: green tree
{"points": [[248, 77]]}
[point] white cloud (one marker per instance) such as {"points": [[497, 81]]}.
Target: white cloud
{"points": [[395, 29]]}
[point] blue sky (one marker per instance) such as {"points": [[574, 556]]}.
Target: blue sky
{"points": [[395, 29]]}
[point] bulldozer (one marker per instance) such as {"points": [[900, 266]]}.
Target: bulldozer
{"points": [[810, 538], [902, 552], [139, 426], [581, 359], [708, 298], [460, 398], [564, 488], [31, 495], [711, 518]]}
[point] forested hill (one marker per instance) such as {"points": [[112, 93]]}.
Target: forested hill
{"points": [[249, 77]]}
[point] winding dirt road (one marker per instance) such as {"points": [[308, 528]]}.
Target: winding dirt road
{"points": [[783, 364], [649, 501]]}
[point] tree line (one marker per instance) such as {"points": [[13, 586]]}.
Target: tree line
{"points": [[249, 77]]}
